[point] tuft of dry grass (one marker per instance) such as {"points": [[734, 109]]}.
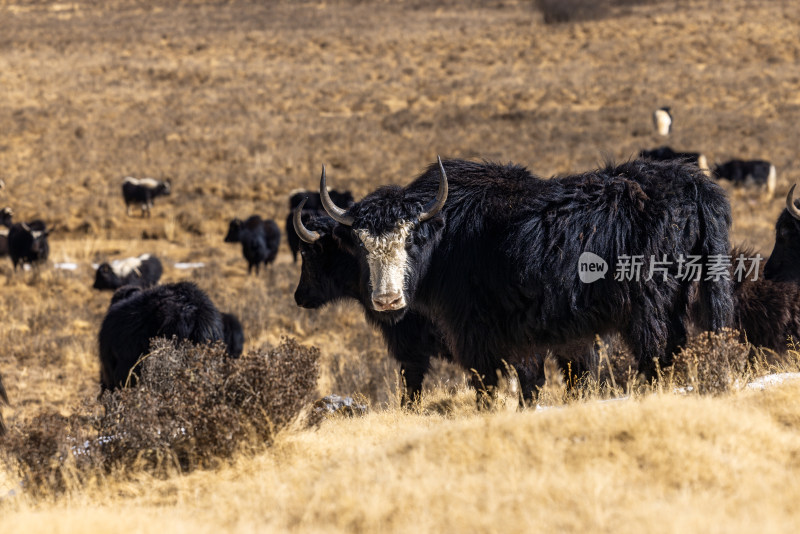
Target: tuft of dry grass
{"points": [[712, 363], [193, 407]]}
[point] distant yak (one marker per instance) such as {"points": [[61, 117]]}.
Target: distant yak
{"points": [[136, 316], [142, 192], [755, 172], [260, 240], [665, 153], [143, 271]]}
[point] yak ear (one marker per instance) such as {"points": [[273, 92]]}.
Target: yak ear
{"points": [[343, 236]]}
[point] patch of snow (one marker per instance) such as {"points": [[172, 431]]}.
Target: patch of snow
{"points": [[190, 265], [67, 266], [766, 381]]}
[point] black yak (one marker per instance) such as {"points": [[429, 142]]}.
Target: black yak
{"points": [[142, 271], [492, 258], [767, 311], [311, 207], [27, 243], [181, 310], [142, 192], [755, 172], [665, 153], [260, 240], [783, 264], [329, 273]]}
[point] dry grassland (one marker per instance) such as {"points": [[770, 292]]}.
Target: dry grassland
{"points": [[238, 103]]}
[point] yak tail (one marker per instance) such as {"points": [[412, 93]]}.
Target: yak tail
{"points": [[715, 292]]}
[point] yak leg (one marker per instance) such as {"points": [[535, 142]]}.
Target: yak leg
{"points": [[413, 373], [531, 378]]}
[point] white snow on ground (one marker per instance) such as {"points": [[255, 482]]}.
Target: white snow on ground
{"points": [[764, 382], [189, 265], [67, 266]]}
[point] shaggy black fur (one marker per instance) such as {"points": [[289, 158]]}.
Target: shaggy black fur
{"points": [[134, 192], [27, 243], [124, 292], [783, 264], [260, 240], [767, 311], [497, 269], [330, 273], [312, 207], [234, 334], [146, 274], [181, 310]]}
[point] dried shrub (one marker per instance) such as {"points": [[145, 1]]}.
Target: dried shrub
{"points": [[192, 408], [712, 363]]}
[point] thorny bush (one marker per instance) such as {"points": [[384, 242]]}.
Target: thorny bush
{"points": [[192, 407]]}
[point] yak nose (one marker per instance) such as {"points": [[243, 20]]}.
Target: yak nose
{"points": [[388, 301]]}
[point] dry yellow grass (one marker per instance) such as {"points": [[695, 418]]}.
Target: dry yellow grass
{"points": [[656, 464], [240, 102]]}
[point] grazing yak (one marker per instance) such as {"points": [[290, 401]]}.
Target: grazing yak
{"points": [[37, 225], [27, 243], [330, 273], [142, 192], [665, 153], [662, 120], [260, 240], [180, 310], [312, 206], [754, 172], [142, 271], [492, 258]]}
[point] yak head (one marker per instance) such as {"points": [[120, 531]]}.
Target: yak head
{"points": [[106, 278], [392, 235], [234, 228], [784, 262], [329, 271]]}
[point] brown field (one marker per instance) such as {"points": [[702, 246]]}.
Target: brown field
{"points": [[238, 103]]}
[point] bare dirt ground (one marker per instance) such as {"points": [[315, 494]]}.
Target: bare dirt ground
{"points": [[238, 103]]}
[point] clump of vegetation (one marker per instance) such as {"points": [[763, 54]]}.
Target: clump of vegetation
{"points": [[192, 408], [712, 363]]}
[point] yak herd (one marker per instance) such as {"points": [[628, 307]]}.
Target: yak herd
{"points": [[479, 264]]}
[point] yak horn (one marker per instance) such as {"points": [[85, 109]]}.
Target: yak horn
{"points": [[793, 211], [336, 213], [434, 206], [303, 233]]}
